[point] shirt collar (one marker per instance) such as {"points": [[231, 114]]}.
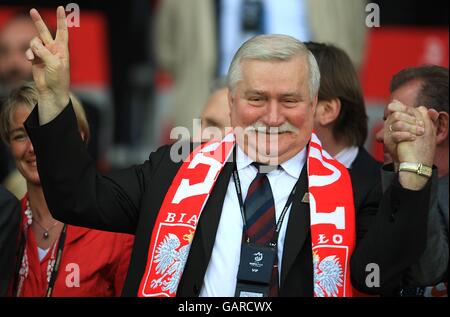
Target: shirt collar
{"points": [[242, 160], [347, 156], [293, 166]]}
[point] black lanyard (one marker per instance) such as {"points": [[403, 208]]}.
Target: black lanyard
{"points": [[237, 185], [61, 241]]}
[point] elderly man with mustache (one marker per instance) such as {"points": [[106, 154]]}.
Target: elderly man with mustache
{"points": [[262, 212]]}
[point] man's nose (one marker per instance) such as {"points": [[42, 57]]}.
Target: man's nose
{"points": [[273, 116], [379, 136]]}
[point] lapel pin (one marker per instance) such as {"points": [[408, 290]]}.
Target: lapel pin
{"points": [[305, 198]]}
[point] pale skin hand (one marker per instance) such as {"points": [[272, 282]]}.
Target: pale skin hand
{"points": [[412, 139], [51, 71], [400, 125]]}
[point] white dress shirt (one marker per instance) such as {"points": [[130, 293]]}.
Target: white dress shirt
{"points": [[221, 274], [347, 156]]}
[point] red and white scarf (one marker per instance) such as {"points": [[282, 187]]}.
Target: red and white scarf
{"points": [[331, 207]]}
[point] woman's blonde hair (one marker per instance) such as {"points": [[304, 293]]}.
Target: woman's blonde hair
{"points": [[27, 96]]}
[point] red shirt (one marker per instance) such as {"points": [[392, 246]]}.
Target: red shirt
{"points": [[93, 263]]}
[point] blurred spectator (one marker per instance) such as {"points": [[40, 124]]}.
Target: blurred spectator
{"points": [[15, 37], [215, 116], [341, 22], [340, 118], [428, 86], [9, 234], [185, 46], [238, 20], [43, 269]]}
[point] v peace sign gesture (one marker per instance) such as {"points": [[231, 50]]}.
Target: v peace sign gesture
{"points": [[51, 70]]}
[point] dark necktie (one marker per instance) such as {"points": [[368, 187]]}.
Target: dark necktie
{"points": [[260, 217]]}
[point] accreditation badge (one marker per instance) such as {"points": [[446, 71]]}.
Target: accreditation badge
{"points": [[255, 270]]}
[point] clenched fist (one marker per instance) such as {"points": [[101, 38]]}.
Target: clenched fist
{"points": [[410, 136]]}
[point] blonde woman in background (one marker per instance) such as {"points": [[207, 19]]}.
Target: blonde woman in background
{"points": [[56, 259]]}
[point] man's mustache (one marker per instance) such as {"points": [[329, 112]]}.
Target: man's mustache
{"points": [[262, 128]]}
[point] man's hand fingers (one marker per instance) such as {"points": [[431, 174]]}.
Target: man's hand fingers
{"points": [[400, 126], [404, 117], [62, 34], [41, 51], [396, 106], [399, 137], [41, 27], [29, 55]]}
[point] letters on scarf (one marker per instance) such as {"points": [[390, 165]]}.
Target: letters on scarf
{"points": [[331, 207]]}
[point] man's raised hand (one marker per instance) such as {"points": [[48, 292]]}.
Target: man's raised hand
{"points": [[51, 67]]}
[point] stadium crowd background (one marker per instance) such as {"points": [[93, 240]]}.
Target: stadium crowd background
{"points": [[142, 67]]}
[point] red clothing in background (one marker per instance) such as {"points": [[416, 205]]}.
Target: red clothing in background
{"points": [[93, 263]]}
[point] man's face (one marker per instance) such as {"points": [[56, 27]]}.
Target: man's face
{"points": [[272, 101], [407, 95], [216, 115], [14, 41]]}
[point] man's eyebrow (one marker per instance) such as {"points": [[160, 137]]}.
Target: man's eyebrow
{"points": [[291, 94], [254, 92]]}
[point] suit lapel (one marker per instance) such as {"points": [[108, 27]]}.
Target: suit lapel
{"points": [[364, 174], [209, 221], [203, 243], [357, 175], [298, 226]]}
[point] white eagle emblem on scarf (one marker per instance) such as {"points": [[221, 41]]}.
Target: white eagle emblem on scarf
{"points": [[170, 259], [328, 276]]}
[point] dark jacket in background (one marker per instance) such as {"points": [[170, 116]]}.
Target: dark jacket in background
{"points": [[432, 267], [9, 231]]}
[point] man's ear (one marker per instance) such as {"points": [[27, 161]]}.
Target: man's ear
{"points": [[328, 111], [442, 128], [230, 98]]}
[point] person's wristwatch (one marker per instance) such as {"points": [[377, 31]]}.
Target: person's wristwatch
{"points": [[417, 168]]}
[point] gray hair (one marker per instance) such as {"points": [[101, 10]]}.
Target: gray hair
{"points": [[274, 47]]}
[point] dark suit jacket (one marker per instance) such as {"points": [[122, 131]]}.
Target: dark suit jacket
{"points": [[9, 234], [129, 200], [365, 173], [432, 267]]}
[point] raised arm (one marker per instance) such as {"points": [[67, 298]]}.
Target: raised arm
{"points": [[75, 192], [392, 229]]}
